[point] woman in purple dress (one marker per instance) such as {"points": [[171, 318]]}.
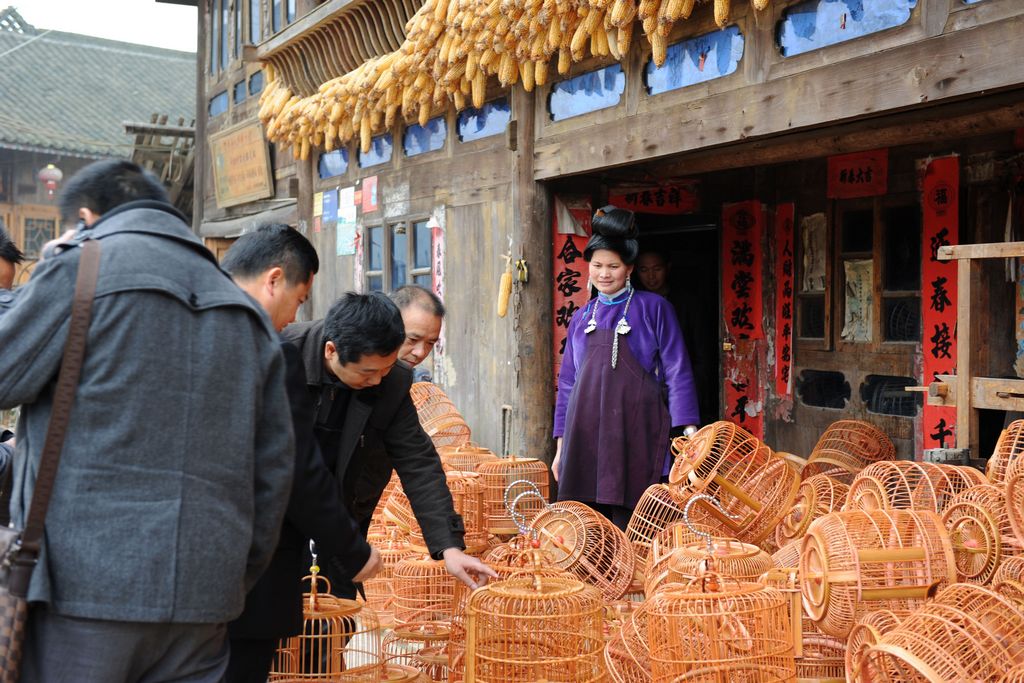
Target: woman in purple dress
{"points": [[625, 384]]}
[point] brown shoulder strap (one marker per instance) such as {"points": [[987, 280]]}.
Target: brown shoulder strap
{"points": [[64, 395]]}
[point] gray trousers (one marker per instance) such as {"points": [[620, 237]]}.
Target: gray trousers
{"points": [[62, 649]]}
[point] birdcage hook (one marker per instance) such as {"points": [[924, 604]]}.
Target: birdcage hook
{"points": [[708, 538], [518, 518]]}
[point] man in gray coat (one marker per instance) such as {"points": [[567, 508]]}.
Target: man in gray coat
{"points": [[178, 463]]}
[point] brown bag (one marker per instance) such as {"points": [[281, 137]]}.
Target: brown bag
{"points": [[19, 550]]}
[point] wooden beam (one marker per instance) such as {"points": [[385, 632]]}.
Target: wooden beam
{"points": [[968, 274], [992, 393], [164, 131], [302, 26], [977, 251]]}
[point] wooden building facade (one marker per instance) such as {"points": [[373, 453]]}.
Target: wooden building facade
{"points": [[800, 163]]}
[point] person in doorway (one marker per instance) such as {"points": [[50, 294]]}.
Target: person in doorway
{"points": [[174, 480], [275, 265], [10, 258], [367, 426], [623, 356], [422, 316], [652, 269]]}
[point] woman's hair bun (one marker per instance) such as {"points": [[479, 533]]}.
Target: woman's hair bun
{"points": [[611, 221]]}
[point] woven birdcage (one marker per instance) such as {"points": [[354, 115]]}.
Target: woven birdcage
{"points": [[1014, 675], [535, 628], [788, 555], [658, 507], [979, 528], [1008, 449], [379, 590], [467, 491], [793, 460], [1014, 488], [378, 511], [908, 485], [717, 629], [400, 673], [464, 457], [731, 558], [1009, 578], [847, 447], [583, 542], [714, 450], [968, 633], [419, 646], [498, 475], [340, 641], [439, 417], [855, 561], [627, 655], [868, 630], [818, 657], [817, 496], [423, 591]]}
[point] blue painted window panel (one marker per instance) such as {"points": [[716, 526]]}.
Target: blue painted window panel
{"points": [[587, 92], [421, 139], [380, 151], [816, 24], [333, 163], [421, 244], [218, 104], [256, 83], [291, 11], [255, 34], [275, 16], [238, 92], [971, 2], [696, 60], [399, 255], [490, 119], [376, 244]]}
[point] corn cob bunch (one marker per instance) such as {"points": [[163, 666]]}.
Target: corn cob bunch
{"points": [[452, 48]]}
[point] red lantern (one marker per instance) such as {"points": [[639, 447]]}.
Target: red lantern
{"points": [[51, 177]]}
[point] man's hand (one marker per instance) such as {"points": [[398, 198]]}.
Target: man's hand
{"points": [[558, 458], [370, 569], [467, 569], [48, 248]]}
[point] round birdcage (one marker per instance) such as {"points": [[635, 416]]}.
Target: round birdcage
{"points": [[967, 633], [378, 511], [793, 460], [514, 475], [583, 542], [419, 646], [340, 641], [1009, 578], [700, 459], [728, 557], [979, 527], [817, 496], [868, 630], [467, 491], [379, 590], [439, 417], [1008, 448], [627, 655], [1014, 488], [855, 561], [717, 629], [908, 485], [423, 591], [1014, 675], [400, 673], [788, 555], [847, 447], [535, 628], [658, 507], [464, 457]]}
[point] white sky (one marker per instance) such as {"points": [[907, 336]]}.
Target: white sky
{"points": [[135, 21]]}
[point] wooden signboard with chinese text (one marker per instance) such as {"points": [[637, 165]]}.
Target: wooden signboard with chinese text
{"points": [[241, 165], [861, 174]]}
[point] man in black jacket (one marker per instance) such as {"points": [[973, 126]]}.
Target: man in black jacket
{"points": [[275, 265], [367, 425]]}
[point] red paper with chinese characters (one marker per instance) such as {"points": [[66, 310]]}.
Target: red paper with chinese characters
{"points": [[679, 197], [940, 206], [784, 271], [570, 274], [862, 174]]}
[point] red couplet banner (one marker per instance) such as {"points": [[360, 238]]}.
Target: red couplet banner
{"points": [[940, 206], [784, 271], [679, 197], [861, 174], [570, 273]]}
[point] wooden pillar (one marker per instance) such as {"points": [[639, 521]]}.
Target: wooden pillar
{"points": [[199, 152], [533, 412]]}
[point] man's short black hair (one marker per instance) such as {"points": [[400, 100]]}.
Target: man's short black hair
{"points": [[408, 295], [105, 185], [269, 246], [8, 249], [364, 324]]}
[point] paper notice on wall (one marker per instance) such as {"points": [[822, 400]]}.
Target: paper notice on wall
{"points": [[814, 239], [859, 300], [346, 231]]}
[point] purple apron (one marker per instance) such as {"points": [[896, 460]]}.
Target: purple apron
{"points": [[616, 428]]}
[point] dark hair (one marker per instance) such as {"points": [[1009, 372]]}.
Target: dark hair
{"points": [[364, 324], [407, 295], [269, 246], [105, 185], [8, 249], [614, 230]]}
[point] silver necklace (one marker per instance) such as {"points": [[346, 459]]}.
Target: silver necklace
{"points": [[622, 327]]}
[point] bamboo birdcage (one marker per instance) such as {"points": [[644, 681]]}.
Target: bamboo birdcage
{"points": [[535, 628], [379, 590], [498, 476], [419, 646], [731, 558], [423, 591], [467, 493], [855, 561], [908, 485], [1014, 675], [1014, 488], [817, 496], [438, 416], [400, 673], [847, 447], [818, 657], [968, 633], [627, 654], [378, 511], [340, 641], [658, 507], [464, 457], [788, 555], [868, 630], [1009, 578], [979, 527], [1008, 449]]}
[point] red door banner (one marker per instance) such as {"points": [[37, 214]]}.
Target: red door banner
{"points": [[861, 174], [940, 207], [679, 197], [784, 214], [742, 225], [571, 273]]}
